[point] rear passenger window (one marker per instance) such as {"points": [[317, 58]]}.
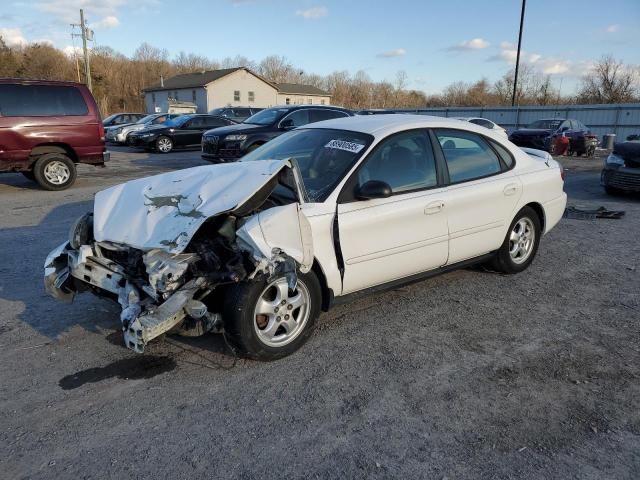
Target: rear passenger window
{"points": [[40, 100], [404, 161], [467, 155], [503, 153]]}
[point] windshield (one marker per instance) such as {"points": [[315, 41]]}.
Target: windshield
{"points": [[323, 156], [146, 119], [545, 124], [110, 117], [267, 117], [177, 122]]}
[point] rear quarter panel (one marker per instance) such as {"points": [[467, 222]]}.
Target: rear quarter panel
{"points": [[541, 184]]}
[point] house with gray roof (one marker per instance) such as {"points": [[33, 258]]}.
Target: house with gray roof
{"points": [[228, 87]]}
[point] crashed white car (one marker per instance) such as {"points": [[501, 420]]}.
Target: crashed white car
{"points": [[256, 249]]}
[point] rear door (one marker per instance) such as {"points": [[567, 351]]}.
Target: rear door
{"points": [[482, 194]]}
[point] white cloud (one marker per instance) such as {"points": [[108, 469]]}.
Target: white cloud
{"points": [[545, 65], [110, 21], [68, 10], [398, 52], [71, 51], [613, 28], [13, 36], [473, 44], [313, 13]]}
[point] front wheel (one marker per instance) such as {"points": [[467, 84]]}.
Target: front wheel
{"points": [[164, 144], [265, 320], [520, 244]]}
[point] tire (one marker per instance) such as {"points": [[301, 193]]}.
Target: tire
{"points": [[267, 336], [614, 192], [505, 261], [54, 171], [164, 144], [29, 175]]}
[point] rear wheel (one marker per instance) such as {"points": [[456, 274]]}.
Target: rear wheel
{"points": [[520, 244], [266, 321], [54, 171], [164, 144]]}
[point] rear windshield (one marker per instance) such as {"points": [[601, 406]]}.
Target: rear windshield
{"points": [[40, 101]]}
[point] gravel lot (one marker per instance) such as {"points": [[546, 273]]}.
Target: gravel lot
{"points": [[467, 375]]}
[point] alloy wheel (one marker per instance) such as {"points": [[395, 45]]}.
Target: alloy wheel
{"points": [[281, 315]]}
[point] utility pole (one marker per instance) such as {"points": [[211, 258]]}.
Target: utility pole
{"points": [[87, 36], [515, 80], [87, 66]]}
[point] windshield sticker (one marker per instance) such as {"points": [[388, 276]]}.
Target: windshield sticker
{"points": [[343, 145]]}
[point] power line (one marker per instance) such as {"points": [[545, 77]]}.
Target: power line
{"points": [[515, 80]]}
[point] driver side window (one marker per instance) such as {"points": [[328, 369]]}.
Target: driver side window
{"points": [[404, 161]]}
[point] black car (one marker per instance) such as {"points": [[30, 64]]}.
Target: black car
{"points": [[183, 131], [621, 172], [238, 114], [122, 119], [542, 133], [227, 144]]}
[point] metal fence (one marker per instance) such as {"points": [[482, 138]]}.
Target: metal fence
{"points": [[622, 119]]}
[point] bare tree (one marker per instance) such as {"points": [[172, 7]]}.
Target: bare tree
{"points": [[610, 81]]}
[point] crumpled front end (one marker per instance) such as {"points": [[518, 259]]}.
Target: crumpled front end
{"points": [[163, 289]]}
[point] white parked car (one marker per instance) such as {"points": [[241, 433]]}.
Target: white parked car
{"points": [[256, 249], [118, 134], [483, 122]]}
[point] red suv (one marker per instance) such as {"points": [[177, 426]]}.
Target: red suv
{"points": [[46, 128]]}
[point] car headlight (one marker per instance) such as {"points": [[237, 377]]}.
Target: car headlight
{"points": [[614, 159], [236, 137], [81, 231]]}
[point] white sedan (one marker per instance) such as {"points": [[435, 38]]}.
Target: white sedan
{"points": [[256, 249], [486, 123]]}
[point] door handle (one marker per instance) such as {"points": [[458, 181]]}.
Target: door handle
{"points": [[510, 189], [434, 207]]}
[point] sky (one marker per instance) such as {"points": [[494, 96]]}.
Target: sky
{"points": [[435, 42]]}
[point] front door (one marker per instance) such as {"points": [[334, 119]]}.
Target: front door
{"points": [[385, 239]]}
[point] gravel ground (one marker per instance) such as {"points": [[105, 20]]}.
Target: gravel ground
{"points": [[468, 375]]}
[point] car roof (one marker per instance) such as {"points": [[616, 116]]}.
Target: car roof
{"points": [[298, 107], [378, 125], [26, 81]]}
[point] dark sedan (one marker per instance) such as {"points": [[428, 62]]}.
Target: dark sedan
{"points": [[184, 131], [228, 144], [621, 172], [542, 134]]}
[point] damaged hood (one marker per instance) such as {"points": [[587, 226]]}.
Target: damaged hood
{"points": [[165, 211]]}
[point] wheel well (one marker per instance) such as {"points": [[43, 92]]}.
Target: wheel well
{"points": [[43, 149], [326, 291], [540, 211]]}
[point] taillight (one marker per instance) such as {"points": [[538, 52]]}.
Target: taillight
{"points": [[101, 131]]}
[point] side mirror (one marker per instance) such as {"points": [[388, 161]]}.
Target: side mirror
{"points": [[373, 189], [287, 124]]}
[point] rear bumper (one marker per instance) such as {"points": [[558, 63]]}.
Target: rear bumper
{"points": [[553, 211], [622, 178]]}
